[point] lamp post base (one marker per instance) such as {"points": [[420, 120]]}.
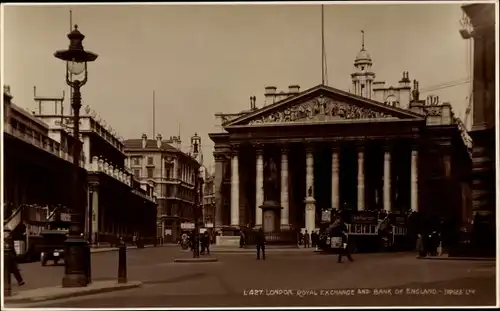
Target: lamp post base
{"points": [[76, 261]]}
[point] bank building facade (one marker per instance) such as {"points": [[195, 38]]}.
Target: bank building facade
{"points": [[373, 148]]}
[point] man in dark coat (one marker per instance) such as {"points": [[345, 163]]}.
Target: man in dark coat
{"points": [[346, 247], [306, 240], [314, 238], [13, 267], [242, 238], [205, 243], [261, 244]]}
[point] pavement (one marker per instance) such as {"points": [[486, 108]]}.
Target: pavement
{"points": [[446, 257], [231, 249], [112, 249], [58, 292], [285, 279]]}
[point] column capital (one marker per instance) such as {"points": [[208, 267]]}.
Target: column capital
{"points": [[284, 148], [259, 148], [93, 186], [360, 145], [387, 145], [310, 147], [220, 156], [335, 146], [415, 145], [235, 149]]}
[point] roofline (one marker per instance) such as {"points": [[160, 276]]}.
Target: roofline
{"points": [[162, 150]]}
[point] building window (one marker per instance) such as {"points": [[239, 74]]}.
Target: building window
{"points": [[136, 161], [137, 174], [150, 160], [150, 172], [168, 173]]}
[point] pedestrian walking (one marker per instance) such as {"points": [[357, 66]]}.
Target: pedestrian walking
{"points": [[313, 239], [306, 240], [134, 240], [261, 244], [14, 267], [242, 238], [420, 246], [206, 242], [346, 247]]}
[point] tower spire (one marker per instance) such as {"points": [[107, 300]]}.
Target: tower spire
{"points": [[362, 40]]}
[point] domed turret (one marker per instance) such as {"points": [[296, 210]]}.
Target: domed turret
{"points": [[362, 78], [363, 57]]}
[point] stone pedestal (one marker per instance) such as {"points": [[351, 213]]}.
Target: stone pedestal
{"points": [[271, 211], [310, 224]]}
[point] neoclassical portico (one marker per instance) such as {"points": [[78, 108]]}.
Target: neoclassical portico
{"points": [[351, 151]]}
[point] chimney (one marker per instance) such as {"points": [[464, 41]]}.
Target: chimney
{"points": [[252, 103], [294, 89], [176, 141], [144, 140], [405, 81], [415, 92], [269, 94], [404, 91], [158, 141]]}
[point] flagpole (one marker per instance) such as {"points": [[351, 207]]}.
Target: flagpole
{"points": [[322, 46], [153, 114]]}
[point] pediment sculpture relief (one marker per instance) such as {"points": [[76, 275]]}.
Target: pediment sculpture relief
{"points": [[320, 109]]}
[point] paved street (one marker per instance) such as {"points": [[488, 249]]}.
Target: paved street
{"points": [[306, 279]]}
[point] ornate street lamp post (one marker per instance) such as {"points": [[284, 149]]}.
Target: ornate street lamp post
{"points": [[198, 184], [77, 258]]}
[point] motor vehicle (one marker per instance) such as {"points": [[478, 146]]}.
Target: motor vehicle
{"points": [[52, 248]]}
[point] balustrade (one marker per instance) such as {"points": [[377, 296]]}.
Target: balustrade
{"points": [[44, 143]]}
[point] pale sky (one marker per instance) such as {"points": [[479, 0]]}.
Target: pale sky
{"points": [[203, 59]]}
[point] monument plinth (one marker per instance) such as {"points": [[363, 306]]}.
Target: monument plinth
{"points": [[271, 211]]}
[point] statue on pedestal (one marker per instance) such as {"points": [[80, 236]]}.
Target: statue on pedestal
{"points": [[271, 207], [271, 191]]}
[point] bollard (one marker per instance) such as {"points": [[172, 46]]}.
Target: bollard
{"points": [[89, 265], [7, 284], [122, 263]]}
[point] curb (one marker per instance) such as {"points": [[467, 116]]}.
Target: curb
{"points": [[114, 249], [118, 287], [251, 251], [195, 260], [459, 258]]}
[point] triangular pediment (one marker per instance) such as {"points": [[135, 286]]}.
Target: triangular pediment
{"points": [[322, 104]]}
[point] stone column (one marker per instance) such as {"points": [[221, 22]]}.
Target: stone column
{"points": [[387, 179], [259, 186], [176, 169], [285, 220], [235, 190], [219, 174], [414, 179], [361, 180], [310, 207], [309, 170], [94, 214], [335, 177]]}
